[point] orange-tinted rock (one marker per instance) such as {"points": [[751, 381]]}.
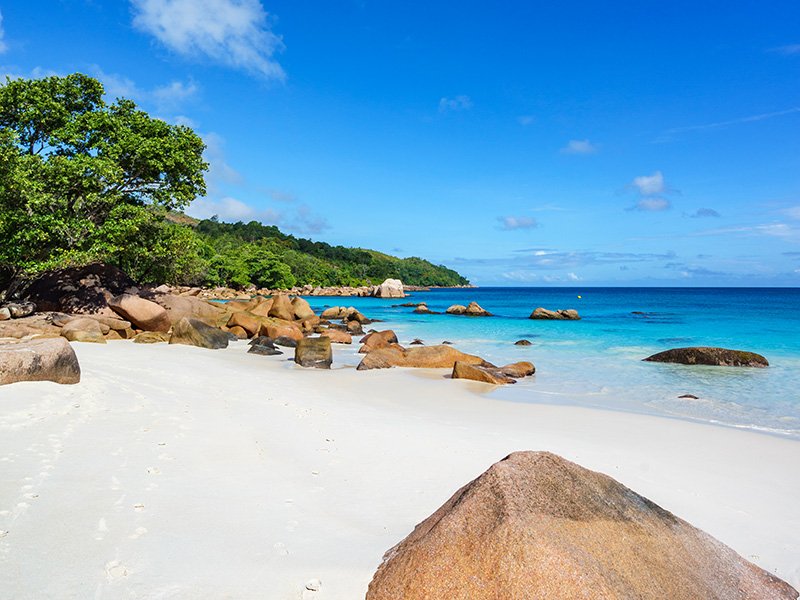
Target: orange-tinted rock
{"points": [[193, 332], [490, 375], [247, 321], [282, 308], [538, 527], [302, 309], [276, 328], [143, 313], [191, 307], [84, 329], [151, 337], [261, 307], [519, 370], [239, 332], [337, 336], [568, 314], [377, 339], [474, 309], [425, 357]]}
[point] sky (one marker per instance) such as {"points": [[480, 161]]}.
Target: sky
{"points": [[573, 143]]}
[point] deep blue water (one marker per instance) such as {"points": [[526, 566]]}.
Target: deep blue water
{"points": [[597, 361]]}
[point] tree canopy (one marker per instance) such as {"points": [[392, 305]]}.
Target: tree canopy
{"points": [[82, 180]]}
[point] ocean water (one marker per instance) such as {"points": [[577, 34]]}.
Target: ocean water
{"points": [[597, 361]]}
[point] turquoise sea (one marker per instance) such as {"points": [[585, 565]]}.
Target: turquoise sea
{"points": [[597, 361]]}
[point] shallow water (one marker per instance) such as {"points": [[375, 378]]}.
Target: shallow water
{"points": [[597, 361]]}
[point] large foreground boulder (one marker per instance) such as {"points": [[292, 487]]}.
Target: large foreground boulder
{"points": [[143, 313], [538, 527], [314, 352], [282, 308], [490, 375], [193, 332], [302, 309], [710, 356], [391, 288], [568, 314], [423, 357], [51, 359]]}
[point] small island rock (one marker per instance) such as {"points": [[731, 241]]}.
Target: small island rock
{"points": [[555, 315], [703, 355]]}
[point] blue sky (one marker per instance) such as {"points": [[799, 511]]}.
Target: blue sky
{"points": [[522, 143]]}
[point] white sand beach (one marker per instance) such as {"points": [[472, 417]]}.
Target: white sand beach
{"points": [[179, 472]]}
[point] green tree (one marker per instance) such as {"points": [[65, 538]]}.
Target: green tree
{"points": [[82, 180]]}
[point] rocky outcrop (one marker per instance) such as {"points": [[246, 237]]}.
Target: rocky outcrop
{"points": [[38, 325], [475, 310], [314, 352], [377, 339], [555, 315], [193, 332], [277, 328], [425, 357], [282, 308], [536, 526], [78, 290], [490, 375], [422, 309], [84, 329], [246, 320], [522, 343], [191, 307], [240, 333], [391, 288], [144, 314], [302, 309], [50, 359], [702, 355], [456, 309], [334, 312]]}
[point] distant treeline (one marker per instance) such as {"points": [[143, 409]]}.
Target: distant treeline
{"points": [[240, 254]]}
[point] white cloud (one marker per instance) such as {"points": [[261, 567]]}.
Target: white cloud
{"points": [[460, 102], [3, 46], [235, 33], [512, 223], [219, 172], [573, 277], [297, 219], [669, 134], [652, 204], [165, 98], [227, 209], [526, 120], [174, 93], [579, 147], [649, 185]]}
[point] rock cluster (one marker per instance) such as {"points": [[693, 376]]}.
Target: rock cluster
{"points": [[494, 375], [568, 314], [535, 526], [473, 309]]}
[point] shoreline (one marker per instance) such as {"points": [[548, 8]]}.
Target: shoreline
{"points": [[307, 462]]}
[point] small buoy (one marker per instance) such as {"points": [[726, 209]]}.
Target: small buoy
{"points": [[579, 297]]}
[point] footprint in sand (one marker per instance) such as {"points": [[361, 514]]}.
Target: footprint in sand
{"points": [[140, 531], [138, 507], [153, 471], [115, 570], [102, 529]]}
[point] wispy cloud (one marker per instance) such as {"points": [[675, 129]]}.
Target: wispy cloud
{"points": [[298, 219], [579, 147], [460, 102], [3, 46], [526, 120], [704, 212], [787, 50], [651, 204], [792, 211], [235, 33], [669, 134], [514, 223], [165, 98]]}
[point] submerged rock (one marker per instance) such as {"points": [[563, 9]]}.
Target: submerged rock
{"points": [[702, 355], [193, 332], [535, 526], [518, 370], [522, 343], [51, 359], [314, 352], [555, 315]]}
